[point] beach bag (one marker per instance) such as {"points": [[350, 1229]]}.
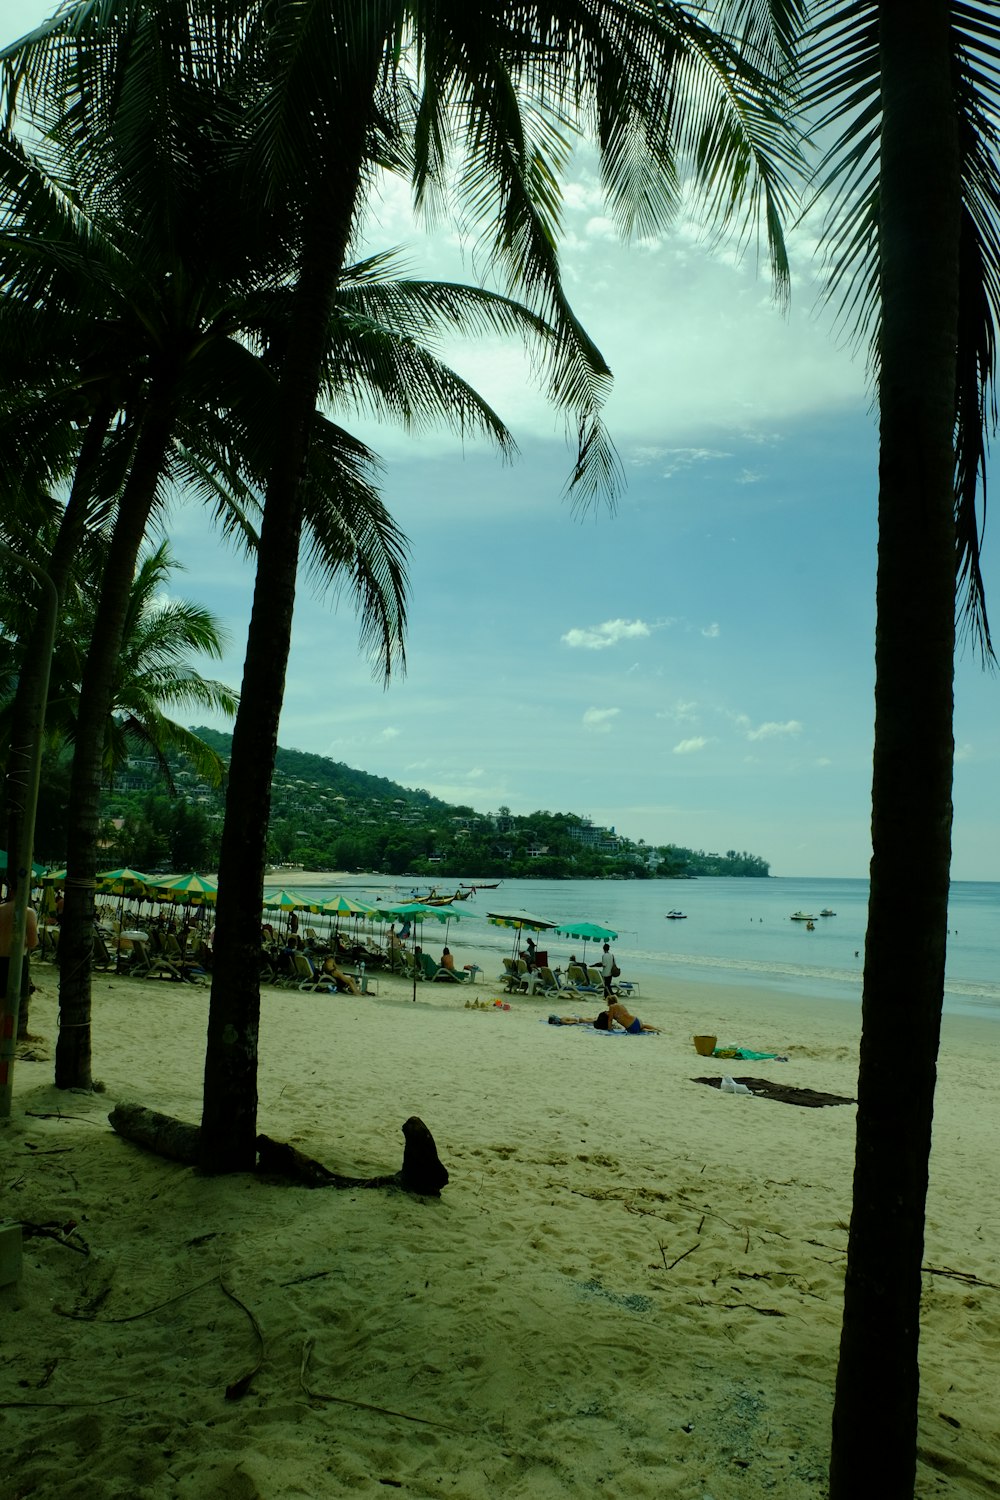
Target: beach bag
{"points": [[615, 971]]}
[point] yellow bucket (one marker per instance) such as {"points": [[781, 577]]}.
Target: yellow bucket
{"points": [[705, 1045]]}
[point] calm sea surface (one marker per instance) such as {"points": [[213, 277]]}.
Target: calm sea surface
{"points": [[736, 930]]}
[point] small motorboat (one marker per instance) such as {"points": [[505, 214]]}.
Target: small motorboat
{"points": [[803, 916], [676, 916], [826, 912]]}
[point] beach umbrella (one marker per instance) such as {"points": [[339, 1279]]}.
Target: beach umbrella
{"points": [[587, 932], [519, 920], [288, 901], [192, 889], [416, 911], [51, 877], [36, 870], [121, 883], [344, 906]]}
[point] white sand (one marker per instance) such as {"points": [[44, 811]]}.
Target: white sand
{"points": [[630, 1287]]}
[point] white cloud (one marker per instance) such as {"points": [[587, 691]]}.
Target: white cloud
{"points": [[964, 752], [389, 733], [680, 713], [600, 637], [692, 746], [712, 632], [600, 719], [774, 731]]}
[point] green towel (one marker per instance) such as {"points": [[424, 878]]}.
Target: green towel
{"points": [[742, 1053]]}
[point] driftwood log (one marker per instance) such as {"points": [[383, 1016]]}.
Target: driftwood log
{"points": [[422, 1171]]}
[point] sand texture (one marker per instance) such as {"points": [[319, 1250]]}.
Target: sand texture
{"points": [[630, 1287]]}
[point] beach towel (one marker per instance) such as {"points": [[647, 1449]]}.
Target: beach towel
{"points": [[743, 1054], [783, 1093]]}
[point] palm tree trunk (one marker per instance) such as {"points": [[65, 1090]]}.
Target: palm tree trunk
{"points": [[76, 936], [229, 1117], [33, 667], [875, 1413]]}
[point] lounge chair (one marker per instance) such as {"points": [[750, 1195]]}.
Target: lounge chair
{"points": [[146, 965], [307, 976], [552, 988], [579, 983], [511, 976]]}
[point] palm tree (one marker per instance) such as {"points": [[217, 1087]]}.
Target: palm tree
{"points": [[916, 232], [152, 669], [395, 84]]}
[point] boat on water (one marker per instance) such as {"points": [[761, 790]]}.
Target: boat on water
{"points": [[803, 916], [676, 916], [826, 912]]}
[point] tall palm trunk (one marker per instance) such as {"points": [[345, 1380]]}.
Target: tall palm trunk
{"points": [[76, 937], [920, 197], [229, 1116]]}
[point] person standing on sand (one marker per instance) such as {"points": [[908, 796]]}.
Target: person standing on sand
{"points": [[608, 967], [6, 937]]}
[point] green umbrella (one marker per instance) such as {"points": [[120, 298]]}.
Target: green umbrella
{"points": [[342, 906], [289, 901], [38, 870], [118, 881], [192, 889], [587, 932]]}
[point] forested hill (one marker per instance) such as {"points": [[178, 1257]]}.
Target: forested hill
{"points": [[331, 775], [326, 815]]}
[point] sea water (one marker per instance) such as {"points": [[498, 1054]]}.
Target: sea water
{"points": [[733, 930]]}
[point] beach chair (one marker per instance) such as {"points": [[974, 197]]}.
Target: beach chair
{"points": [[456, 976], [595, 979], [100, 957], [576, 974], [307, 976], [146, 965], [428, 966], [551, 986], [510, 977]]}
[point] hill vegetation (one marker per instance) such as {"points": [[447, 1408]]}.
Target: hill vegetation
{"points": [[327, 816]]}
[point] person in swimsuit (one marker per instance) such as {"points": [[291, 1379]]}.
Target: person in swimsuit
{"points": [[626, 1020]]}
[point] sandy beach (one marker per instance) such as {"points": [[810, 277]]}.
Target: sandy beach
{"points": [[631, 1285]]}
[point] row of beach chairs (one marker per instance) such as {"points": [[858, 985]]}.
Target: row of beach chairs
{"points": [[579, 980]]}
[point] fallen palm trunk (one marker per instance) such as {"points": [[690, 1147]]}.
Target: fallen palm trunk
{"points": [[422, 1171]]}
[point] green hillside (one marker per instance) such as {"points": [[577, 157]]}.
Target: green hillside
{"points": [[328, 816]]}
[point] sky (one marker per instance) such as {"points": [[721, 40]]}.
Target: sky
{"points": [[695, 667]]}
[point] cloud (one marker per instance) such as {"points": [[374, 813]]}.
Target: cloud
{"points": [[600, 637], [692, 746], [964, 752], [774, 731], [712, 632], [680, 713], [389, 733], [599, 719]]}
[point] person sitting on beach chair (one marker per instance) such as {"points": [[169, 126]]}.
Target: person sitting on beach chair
{"points": [[344, 982]]}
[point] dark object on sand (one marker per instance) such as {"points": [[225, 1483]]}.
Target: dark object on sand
{"points": [[422, 1171], [782, 1092]]}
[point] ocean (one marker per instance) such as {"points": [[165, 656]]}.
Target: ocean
{"points": [[734, 930]]}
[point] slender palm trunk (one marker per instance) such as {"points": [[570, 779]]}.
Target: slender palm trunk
{"points": [[229, 1117], [76, 937], [878, 1376], [33, 667]]}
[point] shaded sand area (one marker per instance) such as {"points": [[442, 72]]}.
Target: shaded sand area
{"points": [[631, 1286]]}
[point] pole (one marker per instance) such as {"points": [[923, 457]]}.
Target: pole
{"points": [[24, 781]]}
